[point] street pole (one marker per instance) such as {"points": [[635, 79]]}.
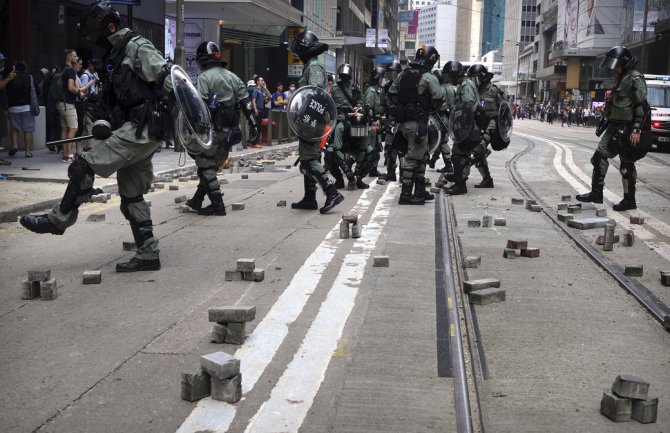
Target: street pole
{"points": [[643, 60], [179, 49], [518, 63]]}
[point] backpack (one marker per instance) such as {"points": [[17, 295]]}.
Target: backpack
{"points": [[56, 92]]}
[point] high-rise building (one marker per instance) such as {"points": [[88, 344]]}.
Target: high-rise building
{"points": [[468, 30], [437, 27], [519, 33], [493, 25]]}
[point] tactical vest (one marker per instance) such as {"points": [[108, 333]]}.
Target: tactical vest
{"points": [[622, 106], [491, 99], [408, 107]]}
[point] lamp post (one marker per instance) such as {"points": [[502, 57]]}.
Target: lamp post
{"points": [[518, 60]]}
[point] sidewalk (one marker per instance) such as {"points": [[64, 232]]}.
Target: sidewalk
{"points": [[35, 184]]}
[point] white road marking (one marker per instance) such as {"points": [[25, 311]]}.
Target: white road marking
{"points": [[294, 393], [662, 248], [260, 347]]}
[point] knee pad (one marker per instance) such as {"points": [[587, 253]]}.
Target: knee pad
{"points": [[304, 165], [79, 169], [627, 170], [125, 201], [596, 158]]}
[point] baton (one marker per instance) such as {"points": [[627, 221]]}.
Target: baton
{"points": [[101, 130], [69, 140]]}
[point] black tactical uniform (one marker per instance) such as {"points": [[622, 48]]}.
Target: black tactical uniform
{"points": [[390, 154]]}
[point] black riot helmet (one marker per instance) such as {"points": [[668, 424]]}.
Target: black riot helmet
{"points": [[345, 72], [618, 56], [426, 57], [306, 45], [479, 74], [207, 55], [94, 20], [453, 70], [376, 76]]}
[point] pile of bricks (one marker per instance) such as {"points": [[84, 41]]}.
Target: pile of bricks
{"points": [[517, 248], [39, 284], [230, 323], [246, 271], [487, 221], [484, 291], [628, 398], [350, 218], [532, 206], [217, 375]]}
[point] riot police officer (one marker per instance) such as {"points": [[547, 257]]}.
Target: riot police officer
{"points": [[467, 103], [390, 154], [373, 109], [627, 112], [449, 88], [307, 46], [225, 95], [491, 97], [348, 99], [414, 94], [139, 80]]}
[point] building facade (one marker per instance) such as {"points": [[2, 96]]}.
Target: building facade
{"points": [[437, 27], [519, 34], [493, 25]]}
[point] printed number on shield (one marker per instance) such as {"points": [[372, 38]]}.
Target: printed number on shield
{"points": [[317, 107]]}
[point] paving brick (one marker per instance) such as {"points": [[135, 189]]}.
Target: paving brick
{"points": [[480, 284], [281, 203], [472, 261], [487, 296], [628, 238], [608, 246], [601, 239], [245, 176], [487, 220], [91, 277], [645, 411], [530, 252], [195, 384], [636, 219], [257, 275], [344, 229], [510, 253], [564, 217], [499, 222], [194, 177], [233, 276], [350, 217], [174, 187], [535, 208], [517, 201], [30, 289], [630, 386], [288, 167], [129, 246], [180, 199], [99, 198], [665, 278], [589, 223], [562, 206], [96, 217], [474, 223], [356, 230], [232, 313], [574, 209], [228, 390], [49, 290], [229, 333], [238, 206], [39, 275], [220, 364], [186, 209], [381, 181], [566, 197], [159, 185], [517, 244], [529, 203], [184, 179], [246, 265], [615, 408], [633, 271], [601, 212], [380, 261], [168, 178]]}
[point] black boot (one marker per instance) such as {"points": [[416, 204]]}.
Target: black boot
{"points": [[591, 197], [420, 190], [339, 182], [308, 202], [627, 203], [135, 265], [216, 206], [433, 159], [448, 167], [391, 176], [487, 180], [374, 172], [360, 184], [333, 198], [195, 203], [628, 178], [597, 181], [459, 187], [40, 224], [406, 196]]}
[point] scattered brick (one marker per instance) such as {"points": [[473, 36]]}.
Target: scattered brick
{"points": [[49, 290], [174, 187], [535, 208], [615, 408], [380, 261], [356, 230], [500, 222], [381, 181], [487, 220], [628, 238], [564, 217], [91, 277], [483, 283], [96, 217], [562, 206], [636, 219], [246, 265], [633, 271], [184, 179], [220, 365], [180, 199], [645, 411], [510, 253], [472, 261], [194, 177], [665, 278], [281, 203], [236, 313], [238, 206], [195, 384], [474, 223], [589, 223], [350, 217], [39, 275], [159, 185], [229, 333], [516, 245], [233, 276], [30, 289], [245, 176], [529, 203], [517, 201], [574, 209], [288, 167], [435, 189], [344, 230], [257, 275], [630, 386], [228, 390], [487, 296], [566, 197], [530, 252], [601, 212], [99, 198]]}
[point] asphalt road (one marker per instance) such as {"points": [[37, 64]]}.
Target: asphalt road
{"points": [[337, 344]]}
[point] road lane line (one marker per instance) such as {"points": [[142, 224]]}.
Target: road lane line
{"points": [[660, 247], [294, 393], [260, 347]]}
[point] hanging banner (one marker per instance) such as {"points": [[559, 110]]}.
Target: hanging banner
{"points": [[383, 38], [370, 36]]}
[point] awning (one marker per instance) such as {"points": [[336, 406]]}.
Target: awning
{"points": [[245, 13], [342, 41]]}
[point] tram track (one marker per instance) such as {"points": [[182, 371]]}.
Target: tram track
{"points": [[659, 310]]}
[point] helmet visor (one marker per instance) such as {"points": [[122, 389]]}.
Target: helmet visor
{"points": [[608, 63]]}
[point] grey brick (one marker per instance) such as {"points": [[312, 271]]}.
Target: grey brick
{"points": [[159, 185], [510, 253], [281, 203], [350, 217], [564, 217], [535, 208], [633, 271], [665, 278], [356, 230], [517, 244], [129, 246], [174, 187], [184, 179], [435, 189], [589, 223], [474, 223], [530, 252], [180, 199], [601, 212], [566, 197], [228, 390], [195, 384], [288, 167], [96, 217], [232, 313], [381, 181], [223, 181], [220, 364], [186, 209], [39, 275], [487, 296], [344, 229], [634, 219], [645, 411], [487, 220], [246, 265], [517, 201], [380, 261], [529, 203], [245, 176], [233, 276], [257, 275], [229, 332], [472, 261], [480, 284], [99, 198], [574, 209], [500, 222], [615, 408], [30, 289], [91, 277], [238, 206], [630, 386], [562, 206], [628, 238], [49, 290]]}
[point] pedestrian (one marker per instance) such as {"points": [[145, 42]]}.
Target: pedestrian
{"points": [[267, 96], [4, 73], [257, 107], [91, 86], [80, 105], [66, 99], [307, 46], [627, 112], [21, 91], [136, 65], [226, 95], [279, 99], [291, 90]]}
